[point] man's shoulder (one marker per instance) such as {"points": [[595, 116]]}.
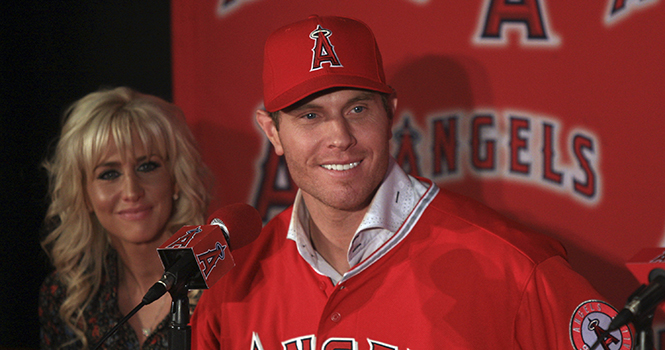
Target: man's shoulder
{"points": [[272, 238], [280, 222], [463, 216]]}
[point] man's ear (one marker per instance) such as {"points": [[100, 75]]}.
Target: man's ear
{"points": [[392, 102], [270, 129]]}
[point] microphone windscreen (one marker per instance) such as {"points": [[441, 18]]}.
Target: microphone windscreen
{"points": [[242, 221], [656, 273]]}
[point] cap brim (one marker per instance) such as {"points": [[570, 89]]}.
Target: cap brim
{"points": [[320, 83]]}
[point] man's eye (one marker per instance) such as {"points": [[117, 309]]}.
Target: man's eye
{"points": [[108, 175], [148, 166], [358, 109], [309, 116]]}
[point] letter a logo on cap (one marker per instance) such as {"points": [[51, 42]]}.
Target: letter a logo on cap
{"points": [[323, 50]]}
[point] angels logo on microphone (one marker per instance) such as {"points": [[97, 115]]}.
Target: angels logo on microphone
{"points": [[184, 240], [210, 258], [588, 328], [659, 259]]}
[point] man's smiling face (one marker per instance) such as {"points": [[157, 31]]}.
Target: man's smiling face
{"points": [[336, 146]]}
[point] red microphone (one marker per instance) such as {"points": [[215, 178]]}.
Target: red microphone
{"points": [[197, 256], [240, 219]]}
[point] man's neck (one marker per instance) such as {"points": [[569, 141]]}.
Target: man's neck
{"points": [[331, 232]]}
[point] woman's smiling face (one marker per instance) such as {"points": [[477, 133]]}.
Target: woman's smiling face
{"points": [[131, 194]]}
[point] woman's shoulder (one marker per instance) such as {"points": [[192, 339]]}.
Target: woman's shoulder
{"points": [[52, 284], [51, 294]]}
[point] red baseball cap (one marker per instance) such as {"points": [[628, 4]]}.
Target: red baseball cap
{"points": [[317, 54]]}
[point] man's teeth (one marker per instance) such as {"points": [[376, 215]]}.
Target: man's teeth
{"points": [[340, 167]]}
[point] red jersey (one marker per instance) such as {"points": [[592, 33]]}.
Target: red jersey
{"points": [[456, 275]]}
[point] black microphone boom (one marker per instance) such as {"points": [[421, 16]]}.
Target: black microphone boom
{"points": [[643, 301], [182, 270]]}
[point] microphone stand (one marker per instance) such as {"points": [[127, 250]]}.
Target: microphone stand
{"points": [[642, 322], [180, 332], [644, 330]]}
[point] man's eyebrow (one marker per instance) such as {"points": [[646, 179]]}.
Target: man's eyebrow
{"points": [[309, 105], [364, 96]]}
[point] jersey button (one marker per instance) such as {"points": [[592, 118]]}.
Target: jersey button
{"points": [[322, 285], [335, 317]]}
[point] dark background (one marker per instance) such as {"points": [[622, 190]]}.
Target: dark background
{"points": [[51, 54]]}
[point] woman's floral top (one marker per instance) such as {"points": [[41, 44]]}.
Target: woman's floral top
{"points": [[101, 316]]}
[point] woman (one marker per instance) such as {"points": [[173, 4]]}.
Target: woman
{"points": [[126, 174]]}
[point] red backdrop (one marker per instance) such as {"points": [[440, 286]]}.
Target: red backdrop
{"points": [[551, 112]]}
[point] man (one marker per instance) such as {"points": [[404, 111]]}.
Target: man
{"points": [[369, 257]]}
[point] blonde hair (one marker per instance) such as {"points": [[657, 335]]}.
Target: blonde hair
{"points": [[76, 243]]}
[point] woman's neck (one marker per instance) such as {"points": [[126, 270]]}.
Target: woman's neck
{"points": [[139, 267], [139, 264]]}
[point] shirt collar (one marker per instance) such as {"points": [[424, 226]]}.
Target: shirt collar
{"points": [[394, 200]]}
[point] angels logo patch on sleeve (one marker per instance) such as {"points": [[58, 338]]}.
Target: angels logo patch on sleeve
{"points": [[588, 326]]}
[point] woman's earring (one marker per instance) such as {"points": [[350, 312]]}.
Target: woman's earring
{"points": [[175, 196]]}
